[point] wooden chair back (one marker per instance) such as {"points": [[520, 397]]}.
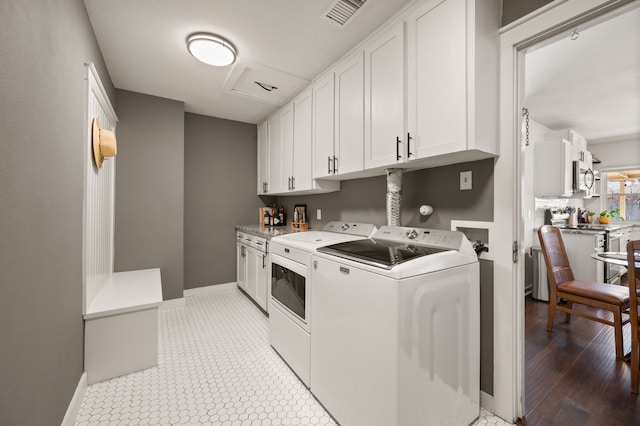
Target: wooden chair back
{"points": [[633, 272], [555, 256]]}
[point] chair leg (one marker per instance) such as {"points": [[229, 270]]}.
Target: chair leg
{"points": [[567, 315], [552, 311], [617, 326], [635, 360]]}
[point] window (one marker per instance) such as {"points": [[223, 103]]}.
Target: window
{"points": [[623, 192]]}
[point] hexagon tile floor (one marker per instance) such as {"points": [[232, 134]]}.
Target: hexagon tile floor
{"points": [[215, 367]]}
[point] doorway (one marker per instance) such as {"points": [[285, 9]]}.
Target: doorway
{"points": [[560, 16], [579, 84]]}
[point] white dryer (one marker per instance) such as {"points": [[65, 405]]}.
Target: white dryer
{"points": [[292, 289], [396, 334]]}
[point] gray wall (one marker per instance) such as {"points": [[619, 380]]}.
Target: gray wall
{"points": [[219, 193], [512, 10], [363, 200], [43, 46], [150, 188]]}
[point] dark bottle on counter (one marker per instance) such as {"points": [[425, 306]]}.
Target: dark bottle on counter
{"points": [[282, 215], [267, 218]]}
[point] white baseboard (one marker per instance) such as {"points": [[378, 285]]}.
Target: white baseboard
{"points": [[173, 303], [209, 289], [486, 401], [74, 406]]}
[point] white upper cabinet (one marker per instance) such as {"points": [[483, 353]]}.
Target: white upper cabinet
{"points": [[302, 135], [275, 184], [422, 92], [286, 137], [263, 158], [384, 130], [452, 79], [323, 127], [285, 140], [349, 115]]}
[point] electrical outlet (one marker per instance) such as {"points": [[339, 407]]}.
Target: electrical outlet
{"points": [[465, 180], [318, 214]]}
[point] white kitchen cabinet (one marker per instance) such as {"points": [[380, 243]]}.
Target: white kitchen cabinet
{"points": [[553, 169], [253, 264], [241, 262], [349, 115], [263, 158], [295, 130], [275, 183], [252, 268], [257, 277], [302, 178], [384, 131], [323, 127], [286, 139], [452, 85]]}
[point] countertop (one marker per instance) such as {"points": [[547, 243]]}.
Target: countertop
{"points": [[267, 232], [596, 227]]}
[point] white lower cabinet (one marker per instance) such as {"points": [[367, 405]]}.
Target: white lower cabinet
{"points": [[252, 268]]}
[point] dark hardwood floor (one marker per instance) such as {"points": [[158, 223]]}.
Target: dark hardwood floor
{"points": [[572, 376]]}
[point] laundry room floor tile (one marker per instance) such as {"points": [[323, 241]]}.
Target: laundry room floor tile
{"points": [[215, 367]]}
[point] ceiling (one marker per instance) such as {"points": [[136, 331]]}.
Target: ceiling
{"points": [[591, 84], [143, 44]]}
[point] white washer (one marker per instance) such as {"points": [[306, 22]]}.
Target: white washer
{"points": [[291, 289], [396, 335]]}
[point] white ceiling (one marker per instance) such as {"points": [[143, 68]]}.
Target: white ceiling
{"points": [[143, 44], [591, 84]]}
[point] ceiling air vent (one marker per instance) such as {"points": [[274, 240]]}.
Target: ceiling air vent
{"points": [[340, 12]]}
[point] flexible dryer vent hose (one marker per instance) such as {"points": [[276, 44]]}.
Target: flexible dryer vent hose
{"points": [[394, 190]]}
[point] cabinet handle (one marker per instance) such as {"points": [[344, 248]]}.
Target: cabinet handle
{"points": [[263, 263], [397, 148], [289, 183], [409, 154], [335, 165], [293, 183], [329, 164]]}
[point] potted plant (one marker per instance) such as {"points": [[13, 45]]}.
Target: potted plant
{"points": [[590, 217], [605, 215]]}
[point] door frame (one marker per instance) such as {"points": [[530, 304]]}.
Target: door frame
{"points": [[546, 22]]}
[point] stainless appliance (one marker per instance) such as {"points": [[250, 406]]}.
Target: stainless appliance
{"points": [[395, 336], [291, 289]]}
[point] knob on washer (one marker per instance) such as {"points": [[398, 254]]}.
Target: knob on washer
{"points": [[412, 234]]}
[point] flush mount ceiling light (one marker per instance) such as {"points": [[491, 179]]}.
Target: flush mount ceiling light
{"points": [[211, 49]]}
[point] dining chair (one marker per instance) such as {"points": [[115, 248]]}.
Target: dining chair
{"points": [[633, 274], [565, 291]]}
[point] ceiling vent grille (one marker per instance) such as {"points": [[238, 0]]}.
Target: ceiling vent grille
{"points": [[340, 12]]}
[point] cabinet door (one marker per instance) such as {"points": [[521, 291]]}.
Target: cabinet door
{"points": [[253, 265], [286, 137], [437, 107], [262, 280], [263, 158], [349, 111], [384, 100], [302, 135], [241, 266], [323, 130], [275, 156]]}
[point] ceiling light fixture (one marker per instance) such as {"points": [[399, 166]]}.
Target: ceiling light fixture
{"points": [[211, 49]]}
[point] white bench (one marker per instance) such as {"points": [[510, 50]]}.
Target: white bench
{"points": [[121, 325]]}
